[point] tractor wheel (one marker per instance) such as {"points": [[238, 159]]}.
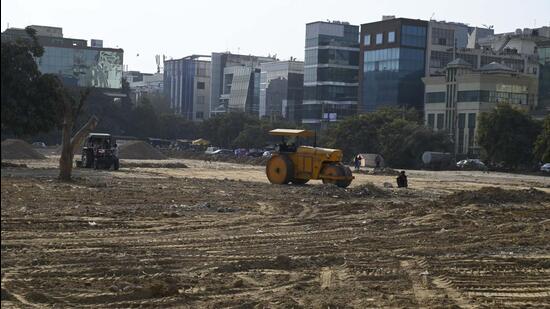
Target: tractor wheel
{"points": [[279, 170], [337, 170], [297, 181]]}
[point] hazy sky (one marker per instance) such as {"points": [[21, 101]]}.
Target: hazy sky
{"points": [[181, 28]]}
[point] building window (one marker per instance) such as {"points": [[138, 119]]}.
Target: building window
{"points": [[431, 121], [367, 40], [391, 37], [199, 115], [200, 85], [414, 36], [440, 118], [435, 97], [379, 38]]}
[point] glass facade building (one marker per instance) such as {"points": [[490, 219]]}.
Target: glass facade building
{"points": [[393, 54], [73, 60], [330, 72], [281, 90], [222, 77], [187, 86]]}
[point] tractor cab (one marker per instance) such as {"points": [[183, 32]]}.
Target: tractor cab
{"points": [[291, 139], [297, 163], [98, 152]]}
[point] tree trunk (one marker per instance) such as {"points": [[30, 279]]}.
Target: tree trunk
{"points": [[68, 144]]}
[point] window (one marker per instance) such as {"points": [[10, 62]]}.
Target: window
{"points": [[431, 121], [440, 118], [199, 115], [391, 37], [200, 85], [413, 36], [435, 97], [367, 40], [379, 38]]}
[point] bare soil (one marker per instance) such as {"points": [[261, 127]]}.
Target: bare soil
{"points": [[218, 235]]}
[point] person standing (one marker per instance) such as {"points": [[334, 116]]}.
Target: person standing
{"points": [[357, 162], [402, 180], [377, 161]]}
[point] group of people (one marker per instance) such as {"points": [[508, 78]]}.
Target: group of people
{"points": [[402, 181]]}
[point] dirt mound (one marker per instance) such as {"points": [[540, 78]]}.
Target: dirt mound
{"points": [[16, 149], [139, 150], [492, 195], [156, 165]]}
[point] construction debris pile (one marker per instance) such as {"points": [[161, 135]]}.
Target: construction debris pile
{"points": [[16, 149]]}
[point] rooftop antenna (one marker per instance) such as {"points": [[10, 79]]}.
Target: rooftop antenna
{"points": [[432, 17], [157, 59]]}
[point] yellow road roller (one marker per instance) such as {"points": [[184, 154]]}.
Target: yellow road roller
{"points": [[290, 163]]}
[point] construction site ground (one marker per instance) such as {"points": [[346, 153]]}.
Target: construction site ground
{"points": [[218, 235]]}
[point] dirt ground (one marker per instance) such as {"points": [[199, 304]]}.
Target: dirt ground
{"points": [[218, 235]]}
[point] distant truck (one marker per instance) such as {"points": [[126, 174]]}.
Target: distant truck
{"points": [[98, 152]]}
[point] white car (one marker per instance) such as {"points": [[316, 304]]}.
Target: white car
{"points": [[545, 168]]}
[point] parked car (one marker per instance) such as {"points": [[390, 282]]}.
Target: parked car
{"points": [[471, 164], [267, 153], [545, 168], [211, 150], [223, 152], [39, 144], [255, 153]]}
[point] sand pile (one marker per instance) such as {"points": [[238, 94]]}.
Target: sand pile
{"points": [[139, 150], [16, 149]]}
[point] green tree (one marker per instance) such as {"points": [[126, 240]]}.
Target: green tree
{"points": [[506, 136], [223, 129], [542, 144], [29, 99], [174, 126]]}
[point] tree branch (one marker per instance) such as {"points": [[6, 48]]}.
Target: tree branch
{"points": [[85, 130]]}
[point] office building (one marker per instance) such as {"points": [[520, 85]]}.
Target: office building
{"points": [[144, 84], [455, 99], [235, 83], [330, 72], [281, 90], [392, 62], [187, 86], [76, 63]]}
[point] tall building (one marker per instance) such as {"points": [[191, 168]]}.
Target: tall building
{"points": [[330, 72], [235, 83], [76, 63], [392, 62], [187, 86], [455, 99], [282, 89]]}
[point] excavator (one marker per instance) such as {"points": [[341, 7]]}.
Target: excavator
{"points": [[297, 164]]}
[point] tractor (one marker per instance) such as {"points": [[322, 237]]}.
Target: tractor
{"points": [[292, 163], [98, 152]]}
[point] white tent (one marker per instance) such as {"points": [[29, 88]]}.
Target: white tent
{"points": [[369, 159]]}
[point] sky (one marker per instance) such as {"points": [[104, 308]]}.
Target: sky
{"points": [[181, 28]]}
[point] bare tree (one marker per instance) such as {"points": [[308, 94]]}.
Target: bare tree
{"points": [[72, 106]]}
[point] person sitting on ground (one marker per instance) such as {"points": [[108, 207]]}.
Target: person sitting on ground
{"points": [[402, 180]]}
